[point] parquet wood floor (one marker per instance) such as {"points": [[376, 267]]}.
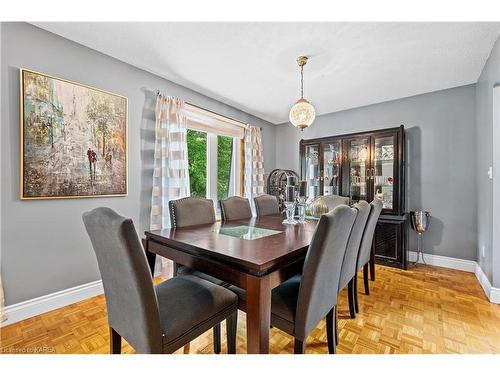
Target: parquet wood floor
{"points": [[423, 310]]}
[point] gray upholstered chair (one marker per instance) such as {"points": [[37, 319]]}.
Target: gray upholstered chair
{"points": [[186, 212], [348, 272], [235, 208], [366, 243], [153, 319], [189, 211], [266, 204], [298, 305], [333, 201]]}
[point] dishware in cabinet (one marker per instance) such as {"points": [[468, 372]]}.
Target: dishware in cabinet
{"points": [[331, 172]]}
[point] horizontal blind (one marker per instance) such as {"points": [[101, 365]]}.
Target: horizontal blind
{"points": [[206, 121]]}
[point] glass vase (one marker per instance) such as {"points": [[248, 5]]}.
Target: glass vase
{"points": [[290, 212], [301, 209]]}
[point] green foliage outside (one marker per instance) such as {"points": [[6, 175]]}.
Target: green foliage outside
{"points": [[197, 159], [224, 155]]}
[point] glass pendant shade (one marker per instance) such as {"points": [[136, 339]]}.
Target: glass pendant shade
{"points": [[302, 114]]}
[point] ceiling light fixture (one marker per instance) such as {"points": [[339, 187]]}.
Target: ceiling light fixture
{"points": [[302, 114]]}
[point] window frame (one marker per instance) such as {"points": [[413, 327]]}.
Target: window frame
{"points": [[237, 167]]}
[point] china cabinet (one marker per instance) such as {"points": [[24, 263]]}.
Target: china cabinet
{"points": [[363, 166]]}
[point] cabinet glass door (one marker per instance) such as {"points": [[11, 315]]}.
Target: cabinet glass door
{"points": [[359, 163], [382, 177], [311, 170], [331, 168]]}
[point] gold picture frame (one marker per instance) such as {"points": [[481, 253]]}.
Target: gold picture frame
{"points": [[53, 143]]}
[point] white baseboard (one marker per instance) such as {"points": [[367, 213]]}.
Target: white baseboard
{"points": [[491, 292], [447, 262], [36, 306], [495, 295], [49, 302], [483, 280]]}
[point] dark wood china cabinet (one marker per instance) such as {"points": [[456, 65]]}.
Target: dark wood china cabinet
{"points": [[363, 166]]}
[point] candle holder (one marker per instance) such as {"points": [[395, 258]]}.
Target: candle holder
{"points": [[301, 209], [290, 204], [290, 213]]}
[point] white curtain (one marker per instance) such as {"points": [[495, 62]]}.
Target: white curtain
{"points": [[254, 164], [171, 174]]}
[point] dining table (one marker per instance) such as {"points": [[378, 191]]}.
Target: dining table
{"points": [[255, 254]]}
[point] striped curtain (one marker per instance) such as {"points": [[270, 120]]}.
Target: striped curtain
{"points": [[171, 174], [254, 164]]}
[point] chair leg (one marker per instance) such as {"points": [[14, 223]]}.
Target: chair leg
{"points": [[187, 348], [115, 342], [372, 264], [350, 295], [231, 327], [217, 338], [336, 326], [330, 331], [355, 294], [300, 347], [365, 280]]}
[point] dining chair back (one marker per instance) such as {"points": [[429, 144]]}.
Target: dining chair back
{"points": [[367, 240], [321, 273], [153, 319], [128, 287], [266, 204], [185, 212], [299, 303], [348, 271], [235, 208]]}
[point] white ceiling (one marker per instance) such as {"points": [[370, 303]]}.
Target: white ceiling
{"points": [[251, 66]]}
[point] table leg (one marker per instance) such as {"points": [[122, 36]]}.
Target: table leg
{"points": [[151, 257], [258, 314]]}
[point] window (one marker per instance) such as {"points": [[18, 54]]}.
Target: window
{"points": [[197, 159], [214, 148], [224, 157]]}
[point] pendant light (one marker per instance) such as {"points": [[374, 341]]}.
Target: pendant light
{"points": [[302, 114]]}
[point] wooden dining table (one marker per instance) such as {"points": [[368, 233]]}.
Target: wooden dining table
{"points": [[254, 254]]}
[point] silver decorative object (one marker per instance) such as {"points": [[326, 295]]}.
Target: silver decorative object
{"points": [[290, 197], [276, 184], [420, 221], [317, 207], [301, 201]]}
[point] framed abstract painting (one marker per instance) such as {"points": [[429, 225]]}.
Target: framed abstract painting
{"points": [[73, 139]]}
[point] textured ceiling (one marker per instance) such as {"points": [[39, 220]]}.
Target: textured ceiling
{"points": [[251, 66]]}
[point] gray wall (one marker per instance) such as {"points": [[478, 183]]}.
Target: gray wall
{"points": [[44, 246], [441, 159], [484, 129]]}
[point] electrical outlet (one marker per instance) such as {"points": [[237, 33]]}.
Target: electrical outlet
{"points": [[483, 251], [490, 173]]}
